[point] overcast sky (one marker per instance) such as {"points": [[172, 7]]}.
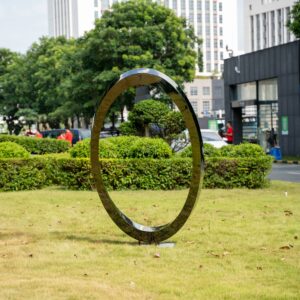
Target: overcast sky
{"points": [[22, 22]]}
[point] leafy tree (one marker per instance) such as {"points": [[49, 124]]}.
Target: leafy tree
{"points": [[145, 113], [134, 34], [172, 126], [293, 23], [33, 81]]}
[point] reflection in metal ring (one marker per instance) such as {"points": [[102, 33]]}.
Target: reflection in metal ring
{"points": [[141, 77]]}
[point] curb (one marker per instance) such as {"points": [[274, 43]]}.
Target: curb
{"points": [[291, 162]]}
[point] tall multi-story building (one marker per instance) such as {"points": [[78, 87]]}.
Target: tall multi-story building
{"points": [[265, 24], [70, 18]]}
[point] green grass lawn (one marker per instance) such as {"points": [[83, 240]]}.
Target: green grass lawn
{"points": [[238, 244]]}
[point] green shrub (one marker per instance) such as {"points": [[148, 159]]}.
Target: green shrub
{"points": [[124, 147], [23, 174], [149, 148], [12, 150], [186, 152], [126, 128], [120, 174], [250, 172], [37, 146], [209, 151]]}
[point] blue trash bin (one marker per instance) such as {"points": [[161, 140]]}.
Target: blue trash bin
{"points": [[275, 151]]}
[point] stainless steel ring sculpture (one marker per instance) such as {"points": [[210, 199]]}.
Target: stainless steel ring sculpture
{"points": [[142, 77]]}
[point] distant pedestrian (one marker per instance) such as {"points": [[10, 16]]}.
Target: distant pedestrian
{"points": [[69, 136], [62, 136], [229, 133]]}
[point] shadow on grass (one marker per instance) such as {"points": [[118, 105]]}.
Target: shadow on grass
{"points": [[82, 238]]}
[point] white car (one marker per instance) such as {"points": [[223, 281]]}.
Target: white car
{"points": [[212, 137]]}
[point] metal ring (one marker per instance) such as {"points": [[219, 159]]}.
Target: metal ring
{"points": [[142, 77]]}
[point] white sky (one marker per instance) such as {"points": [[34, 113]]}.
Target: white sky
{"points": [[22, 22]]}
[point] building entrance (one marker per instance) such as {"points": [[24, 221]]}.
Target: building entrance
{"points": [[267, 130]]}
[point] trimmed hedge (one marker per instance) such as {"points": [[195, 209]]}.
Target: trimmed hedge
{"points": [[121, 174], [12, 150], [37, 146], [124, 147]]}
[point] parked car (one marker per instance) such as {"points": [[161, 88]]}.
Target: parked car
{"points": [[78, 134], [213, 138]]}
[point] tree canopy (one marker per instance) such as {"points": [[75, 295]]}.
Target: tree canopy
{"points": [[293, 23], [59, 79]]}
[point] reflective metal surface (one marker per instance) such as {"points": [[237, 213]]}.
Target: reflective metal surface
{"points": [[141, 77]]}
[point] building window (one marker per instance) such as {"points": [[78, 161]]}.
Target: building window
{"points": [[96, 3], [279, 26], [221, 43], [273, 26], [215, 30], [182, 4], [199, 29], [246, 91], [215, 43], [265, 31], [193, 91], [216, 56], [216, 68], [195, 106], [105, 4], [268, 90], [207, 5], [220, 19], [221, 55], [96, 15], [207, 30], [166, 3], [199, 5], [206, 90], [258, 32], [220, 6], [215, 6], [221, 31], [208, 42], [208, 55], [174, 4], [191, 5], [252, 33], [207, 18], [206, 108], [217, 92], [199, 18], [287, 12], [208, 67], [215, 19]]}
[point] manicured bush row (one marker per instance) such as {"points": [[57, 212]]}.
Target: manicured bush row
{"points": [[120, 174], [37, 146], [125, 147]]}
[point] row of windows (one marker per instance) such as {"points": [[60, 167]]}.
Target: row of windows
{"points": [[268, 29], [194, 90], [105, 4], [205, 107]]}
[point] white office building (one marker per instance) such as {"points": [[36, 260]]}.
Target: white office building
{"points": [[70, 18], [265, 24]]}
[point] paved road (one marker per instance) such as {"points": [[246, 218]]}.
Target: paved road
{"points": [[285, 172]]}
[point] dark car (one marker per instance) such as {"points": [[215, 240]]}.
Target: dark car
{"points": [[78, 134]]}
